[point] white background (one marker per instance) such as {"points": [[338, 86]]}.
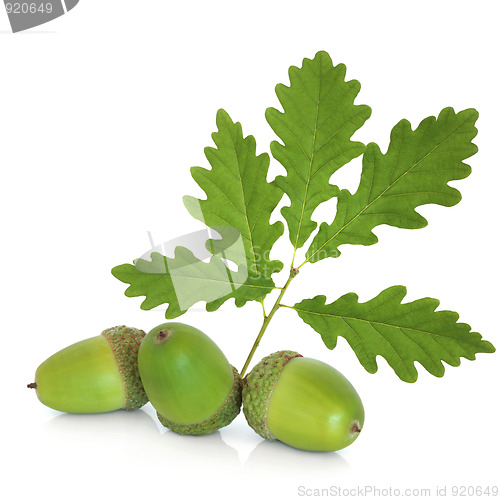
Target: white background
{"points": [[103, 112]]}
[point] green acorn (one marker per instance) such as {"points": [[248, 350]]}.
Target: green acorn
{"points": [[96, 375], [188, 379], [302, 402]]}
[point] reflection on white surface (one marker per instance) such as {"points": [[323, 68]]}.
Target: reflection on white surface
{"points": [[201, 452], [282, 459], [100, 425], [139, 432], [131, 455]]}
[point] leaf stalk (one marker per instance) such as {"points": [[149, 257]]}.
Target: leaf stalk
{"points": [[267, 319]]}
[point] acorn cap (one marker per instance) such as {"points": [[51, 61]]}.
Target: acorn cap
{"points": [[125, 342], [222, 417], [258, 387]]}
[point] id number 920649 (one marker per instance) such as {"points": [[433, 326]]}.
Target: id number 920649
{"points": [[28, 8]]}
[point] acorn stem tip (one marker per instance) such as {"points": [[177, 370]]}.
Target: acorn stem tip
{"points": [[355, 427]]}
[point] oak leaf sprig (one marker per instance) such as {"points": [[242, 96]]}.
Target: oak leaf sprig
{"points": [[314, 132]]}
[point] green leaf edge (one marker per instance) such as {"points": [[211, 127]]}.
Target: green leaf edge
{"points": [[371, 149], [488, 347], [278, 148]]}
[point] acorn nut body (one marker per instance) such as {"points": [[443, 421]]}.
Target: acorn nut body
{"points": [[188, 379], [302, 402], [96, 375]]}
